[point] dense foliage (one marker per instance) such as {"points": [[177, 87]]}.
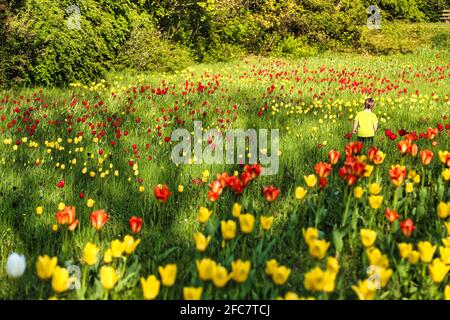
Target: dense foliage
{"points": [[50, 43]]}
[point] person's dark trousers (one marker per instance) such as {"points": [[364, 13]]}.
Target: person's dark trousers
{"points": [[367, 142]]}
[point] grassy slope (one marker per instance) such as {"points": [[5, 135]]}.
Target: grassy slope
{"points": [[172, 225]]}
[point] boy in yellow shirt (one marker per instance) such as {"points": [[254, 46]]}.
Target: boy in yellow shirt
{"points": [[366, 123]]}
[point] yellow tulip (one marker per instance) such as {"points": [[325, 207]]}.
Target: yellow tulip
{"points": [[318, 248], [374, 188], [376, 258], [90, 252], [236, 210], [203, 214], [358, 192], [310, 235], [247, 223], [192, 293], [108, 277], [291, 296], [201, 242], [444, 252], [447, 292], [240, 270], [45, 266], [446, 174], [228, 229], [150, 287], [280, 275], [438, 270], [205, 268], [442, 210], [364, 290], [426, 250], [368, 237], [409, 188], [300, 193], [220, 276], [168, 274], [447, 226], [446, 242], [443, 156], [180, 188], [313, 280], [414, 257], [310, 180], [117, 248], [405, 249], [333, 265], [107, 257], [130, 244], [329, 281], [39, 210], [271, 266], [266, 222], [368, 171], [90, 203], [375, 201], [385, 275], [60, 279]]}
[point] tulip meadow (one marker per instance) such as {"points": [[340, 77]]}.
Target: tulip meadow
{"points": [[92, 207]]}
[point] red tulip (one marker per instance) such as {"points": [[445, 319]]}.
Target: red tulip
{"points": [[60, 184], [245, 178], [162, 193], [407, 227], [135, 224], [254, 170], [98, 219], [270, 193], [323, 182]]}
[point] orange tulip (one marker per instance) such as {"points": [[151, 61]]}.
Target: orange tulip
{"points": [[391, 215], [371, 153], [334, 157], [379, 157], [414, 150], [67, 216], [98, 219], [323, 169], [404, 147], [426, 156], [397, 174], [431, 133], [215, 190]]}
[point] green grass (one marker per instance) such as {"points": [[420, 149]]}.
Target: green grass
{"points": [[167, 235]]}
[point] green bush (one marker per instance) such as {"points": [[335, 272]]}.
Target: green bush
{"points": [[441, 41], [294, 47], [146, 49], [224, 52], [403, 38], [49, 49]]}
